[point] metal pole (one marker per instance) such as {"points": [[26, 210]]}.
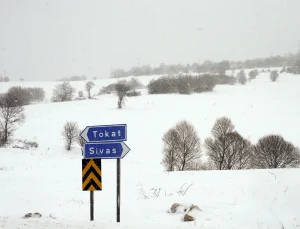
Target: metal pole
{"points": [[118, 188], [92, 205]]}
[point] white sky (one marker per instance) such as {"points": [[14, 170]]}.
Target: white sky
{"points": [[44, 40]]}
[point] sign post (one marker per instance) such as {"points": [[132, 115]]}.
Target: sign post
{"points": [[102, 142], [92, 205], [118, 189]]}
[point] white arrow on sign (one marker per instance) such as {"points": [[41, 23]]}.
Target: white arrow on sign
{"points": [[107, 150], [84, 134], [126, 149]]}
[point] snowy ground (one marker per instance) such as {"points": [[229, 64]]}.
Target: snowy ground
{"points": [[48, 179]]}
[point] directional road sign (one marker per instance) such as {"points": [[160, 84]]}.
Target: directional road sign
{"points": [[109, 150], [91, 175], [107, 133]]}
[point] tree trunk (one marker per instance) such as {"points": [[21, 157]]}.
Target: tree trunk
{"points": [[5, 132]]}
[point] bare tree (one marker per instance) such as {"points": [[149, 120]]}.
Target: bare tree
{"points": [[227, 149], [272, 151], [70, 133], [63, 92], [240, 152], [182, 148], [11, 116], [274, 75], [88, 87], [121, 89], [170, 150], [189, 148]]}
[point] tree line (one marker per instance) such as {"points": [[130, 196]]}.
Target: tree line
{"points": [[226, 149], [291, 61]]}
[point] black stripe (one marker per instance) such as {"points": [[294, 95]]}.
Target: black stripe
{"points": [[86, 161], [92, 182], [91, 170], [98, 163]]}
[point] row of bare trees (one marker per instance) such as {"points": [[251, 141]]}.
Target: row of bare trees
{"points": [[226, 149]]}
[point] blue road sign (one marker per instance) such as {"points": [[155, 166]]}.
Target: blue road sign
{"points": [[109, 150], [105, 133]]}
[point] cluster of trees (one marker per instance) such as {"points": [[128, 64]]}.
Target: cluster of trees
{"points": [[187, 84], [133, 85], [226, 149], [290, 60], [25, 96], [4, 79], [65, 92], [74, 78]]}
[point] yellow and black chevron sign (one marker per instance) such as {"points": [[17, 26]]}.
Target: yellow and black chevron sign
{"points": [[91, 175]]}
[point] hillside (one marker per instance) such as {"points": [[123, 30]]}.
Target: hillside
{"points": [[48, 179]]}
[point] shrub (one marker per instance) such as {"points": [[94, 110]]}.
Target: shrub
{"points": [[183, 84], [241, 77], [133, 93], [163, 85], [63, 92], [26, 145], [121, 90], [135, 84], [80, 94], [37, 94], [273, 151], [19, 95], [253, 74], [274, 75]]}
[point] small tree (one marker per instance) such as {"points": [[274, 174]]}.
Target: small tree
{"points": [[11, 116], [70, 133], [274, 75], [241, 77], [6, 79], [88, 87], [121, 89], [253, 74], [63, 92], [182, 148], [272, 151]]}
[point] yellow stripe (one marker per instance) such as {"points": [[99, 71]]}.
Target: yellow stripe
{"points": [[89, 165], [87, 180], [92, 188]]}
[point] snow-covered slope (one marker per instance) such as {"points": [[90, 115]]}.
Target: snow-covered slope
{"points": [[48, 179]]}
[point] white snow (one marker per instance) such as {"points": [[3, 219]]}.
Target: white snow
{"points": [[48, 179]]}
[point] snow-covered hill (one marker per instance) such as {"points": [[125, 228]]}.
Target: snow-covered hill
{"points": [[48, 179]]}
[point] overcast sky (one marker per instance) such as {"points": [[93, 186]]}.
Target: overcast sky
{"points": [[46, 40]]}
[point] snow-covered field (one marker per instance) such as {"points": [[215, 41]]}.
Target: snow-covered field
{"points": [[48, 179]]}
